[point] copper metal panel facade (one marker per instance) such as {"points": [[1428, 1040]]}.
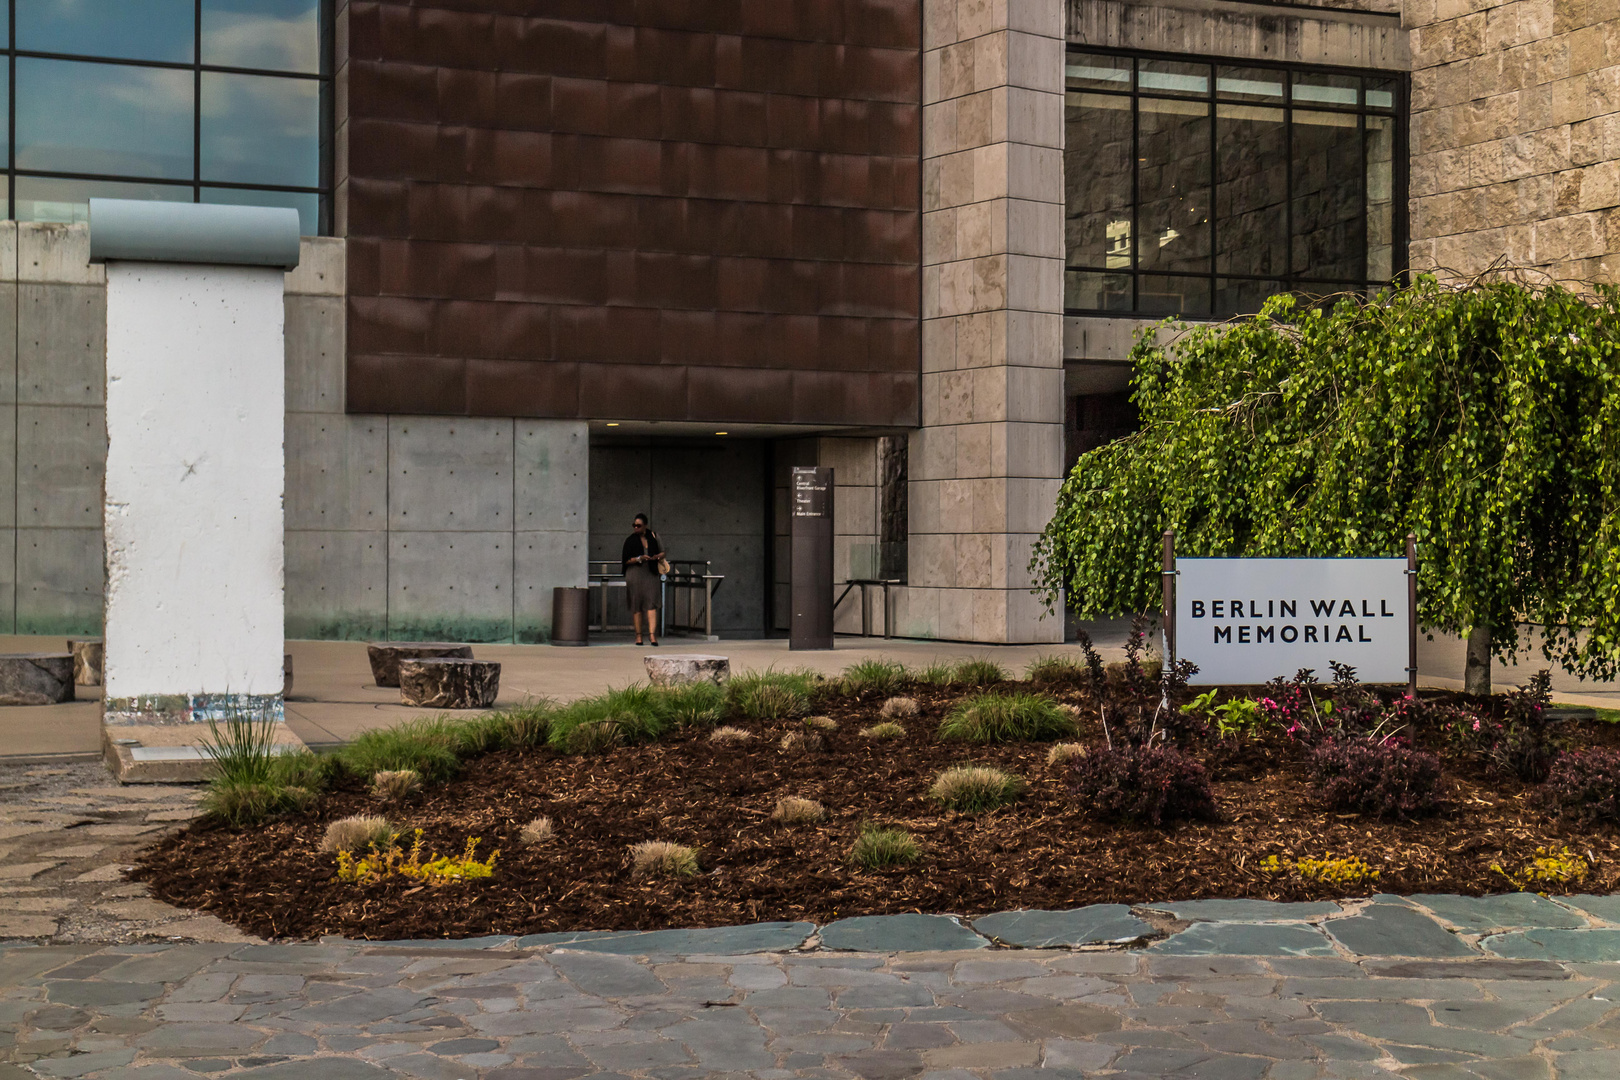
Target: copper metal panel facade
{"points": [[634, 209]]}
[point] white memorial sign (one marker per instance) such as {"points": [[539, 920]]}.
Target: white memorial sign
{"points": [[1245, 621]]}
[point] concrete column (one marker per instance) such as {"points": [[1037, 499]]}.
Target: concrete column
{"points": [[986, 465]]}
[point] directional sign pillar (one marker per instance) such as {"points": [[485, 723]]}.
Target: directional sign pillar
{"points": [[811, 626]]}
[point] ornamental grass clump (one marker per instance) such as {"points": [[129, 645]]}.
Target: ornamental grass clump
{"points": [[1055, 672], [358, 833], [899, 708], [876, 848], [771, 695], [793, 810], [800, 742], [1584, 786], [1377, 778], [395, 785], [875, 677], [1142, 785], [596, 737], [729, 734], [428, 746], [886, 730], [1063, 754], [537, 831], [660, 858], [241, 804], [992, 718], [973, 789], [821, 723], [977, 672]]}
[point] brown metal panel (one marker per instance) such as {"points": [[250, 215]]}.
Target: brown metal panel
{"points": [[635, 185], [652, 392], [406, 383], [740, 395], [522, 388]]}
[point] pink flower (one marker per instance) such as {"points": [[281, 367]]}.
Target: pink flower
{"points": [[1476, 725]]}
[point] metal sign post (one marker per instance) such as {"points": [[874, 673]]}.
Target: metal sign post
{"points": [[810, 591], [1411, 614]]}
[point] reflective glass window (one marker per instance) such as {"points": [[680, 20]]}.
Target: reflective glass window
{"points": [[1249, 84], [308, 204], [1251, 204], [126, 29], [1173, 77], [50, 198], [1173, 189], [276, 35], [1099, 181], [1200, 189], [259, 129], [111, 119], [1325, 88], [1329, 208], [1090, 71]]}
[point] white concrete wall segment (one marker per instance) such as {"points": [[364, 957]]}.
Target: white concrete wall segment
{"points": [[1250, 31], [985, 466], [195, 478]]}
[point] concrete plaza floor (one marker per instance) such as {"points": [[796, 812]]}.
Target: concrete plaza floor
{"points": [[334, 699]]}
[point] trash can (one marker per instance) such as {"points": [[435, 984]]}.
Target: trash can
{"points": [[570, 615]]}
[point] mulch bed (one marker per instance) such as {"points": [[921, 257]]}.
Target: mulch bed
{"points": [[1041, 852]]}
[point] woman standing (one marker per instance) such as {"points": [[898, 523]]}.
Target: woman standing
{"points": [[640, 559]]}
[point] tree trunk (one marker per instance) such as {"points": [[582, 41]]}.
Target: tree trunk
{"points": [[1477, 672]]}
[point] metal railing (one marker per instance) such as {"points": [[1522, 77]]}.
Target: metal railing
{"points": [[687, 580]]}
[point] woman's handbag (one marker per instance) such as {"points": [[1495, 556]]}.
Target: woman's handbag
{"points": [[663, 564]]}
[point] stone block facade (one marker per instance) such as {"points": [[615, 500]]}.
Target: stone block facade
{"points": [[1515, 136]]}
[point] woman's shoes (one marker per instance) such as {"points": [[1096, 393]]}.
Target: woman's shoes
{"points": [[655, 644], [638, 643]]}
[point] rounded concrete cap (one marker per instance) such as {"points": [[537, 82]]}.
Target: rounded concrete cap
{"points": [[142, 230]]}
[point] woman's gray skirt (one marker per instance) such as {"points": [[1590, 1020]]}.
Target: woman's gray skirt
{"points": [[641, 587]]}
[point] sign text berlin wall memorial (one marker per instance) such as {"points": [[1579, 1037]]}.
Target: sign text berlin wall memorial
{"points": [[1244, 621]]}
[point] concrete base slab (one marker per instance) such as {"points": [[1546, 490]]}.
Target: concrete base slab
{"points": [[169, 753]]}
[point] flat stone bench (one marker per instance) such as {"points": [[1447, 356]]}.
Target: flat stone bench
{"points": [[36, 678], [386, 655], [87, 657], [449, 683], [677, 669]]}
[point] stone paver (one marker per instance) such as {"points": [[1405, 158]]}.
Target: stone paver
{"points": [[353, 1010], [910, 933], [1480, 914], [1099, 923], [1558, 944], [1247, 939], [1396, 930], [1245, 911]]}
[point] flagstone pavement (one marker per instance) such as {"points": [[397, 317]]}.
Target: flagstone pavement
{"points": [[99, 980]]}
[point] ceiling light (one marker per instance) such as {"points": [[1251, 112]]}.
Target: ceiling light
{"points": [[613, 424], [720, 433]]}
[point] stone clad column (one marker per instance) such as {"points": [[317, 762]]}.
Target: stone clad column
{"points": [[986, 465]]}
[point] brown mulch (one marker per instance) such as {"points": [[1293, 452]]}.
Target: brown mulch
{"points": [[1040, 852]]}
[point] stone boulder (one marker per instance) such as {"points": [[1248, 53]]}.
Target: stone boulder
{"points": [[677, 669], [87, 655], [386, 655], [36, 678], [449, 684]]}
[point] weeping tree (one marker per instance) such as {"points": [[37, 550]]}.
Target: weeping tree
{"points": [[1483, 417]]}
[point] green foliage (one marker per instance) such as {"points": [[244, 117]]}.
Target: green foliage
{"points": [[1055, 671], [698, 704], [877, 847], [878, 677], [429, 745], [771, 694], [244, 750], [240, 803], [1240, 718], [1006, 718], [1482, 418], [975, 672]]}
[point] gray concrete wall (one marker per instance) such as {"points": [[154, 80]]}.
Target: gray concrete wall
{"points": [[397, 527], [1259, 31], [706, 500]]}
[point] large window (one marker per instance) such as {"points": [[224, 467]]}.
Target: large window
{"points": [[215, 101], [1200, 189]]}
